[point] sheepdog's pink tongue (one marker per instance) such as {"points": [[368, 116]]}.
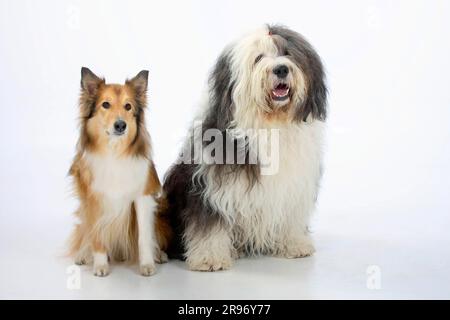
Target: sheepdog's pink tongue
{"points": [[280, 92]]}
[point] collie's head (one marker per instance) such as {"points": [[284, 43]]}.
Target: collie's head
{"points": [[274, 73], [112, 115]]}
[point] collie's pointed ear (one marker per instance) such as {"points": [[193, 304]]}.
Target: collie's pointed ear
{"points": [[139, 83], [89, 81]]}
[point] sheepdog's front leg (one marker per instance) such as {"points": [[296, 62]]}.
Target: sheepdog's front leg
{"points": [[145, 212], [296, 242], [208, 248], [297, 246]]}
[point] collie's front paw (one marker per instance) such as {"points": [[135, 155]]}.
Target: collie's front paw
{"points": [[147, 269], [101, 270], [83, 259], [161, 256], [210, 263], [80, 261]]}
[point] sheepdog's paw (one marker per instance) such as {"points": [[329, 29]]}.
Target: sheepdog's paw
{"points": [[298, 249], [207, 263], [238, 254]]}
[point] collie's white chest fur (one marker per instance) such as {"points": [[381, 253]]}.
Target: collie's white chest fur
{"points": [[118, 178]]}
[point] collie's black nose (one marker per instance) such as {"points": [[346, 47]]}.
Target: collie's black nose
{"points": [[281, 71], [120, 126]]}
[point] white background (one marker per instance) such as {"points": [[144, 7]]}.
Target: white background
{"points": [[384, 200]]}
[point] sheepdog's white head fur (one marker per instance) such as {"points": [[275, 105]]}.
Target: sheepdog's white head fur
{"points": [[270, 74], [264, 77]]}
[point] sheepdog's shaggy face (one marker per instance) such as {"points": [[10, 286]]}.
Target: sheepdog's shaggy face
{"points": [[268, 75], [274, 73]]}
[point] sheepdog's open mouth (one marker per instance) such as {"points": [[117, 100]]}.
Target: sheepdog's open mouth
{"points": [[280, 92]]}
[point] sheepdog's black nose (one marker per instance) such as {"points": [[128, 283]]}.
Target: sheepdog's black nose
{"points": [[281, 71], [120, 126]]}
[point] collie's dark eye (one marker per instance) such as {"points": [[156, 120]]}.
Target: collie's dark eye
{"points": [[258, 58], [106, 105], [127, 107]]}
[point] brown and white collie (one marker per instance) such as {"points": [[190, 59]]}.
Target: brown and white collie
{"points": [[115, 179]]}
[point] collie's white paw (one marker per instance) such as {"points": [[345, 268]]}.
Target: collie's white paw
{"points": [[147, 269], [101, 266], [101, 270], [161, 257], [80, 261], [210, 263], [83, 259]]}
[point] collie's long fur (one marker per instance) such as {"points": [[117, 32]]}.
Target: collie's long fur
{"points": [[270, 81], [121, 201]]}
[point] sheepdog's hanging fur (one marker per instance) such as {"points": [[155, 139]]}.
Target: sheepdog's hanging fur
{"points": [[266, 93], [121, 201]]}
